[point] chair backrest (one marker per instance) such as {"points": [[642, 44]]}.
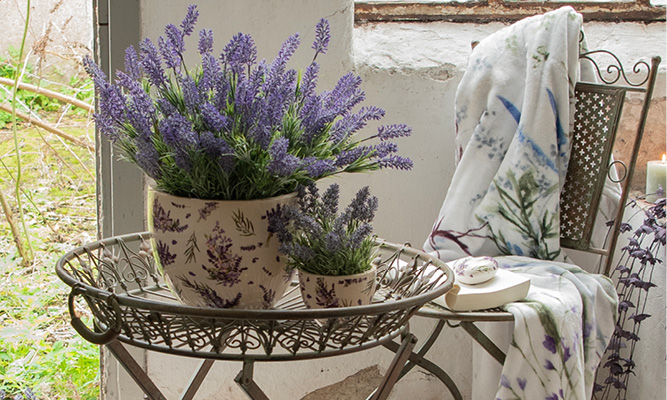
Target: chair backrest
{"points": [[598, 111]]}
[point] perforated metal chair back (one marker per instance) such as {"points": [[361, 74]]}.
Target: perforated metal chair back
{"points": [[598, 111]]}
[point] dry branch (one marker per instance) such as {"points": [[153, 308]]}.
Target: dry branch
{"points": [[55, 131], [49, 93]]}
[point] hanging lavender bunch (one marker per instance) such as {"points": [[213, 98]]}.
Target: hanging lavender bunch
{"points": [[320, 240], [634, 271], [235, 128]]}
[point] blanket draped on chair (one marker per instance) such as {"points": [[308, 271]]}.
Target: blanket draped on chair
{"points": [[514, 109]]}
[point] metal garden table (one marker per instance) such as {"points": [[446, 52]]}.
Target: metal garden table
{"points": [[117, 282]]}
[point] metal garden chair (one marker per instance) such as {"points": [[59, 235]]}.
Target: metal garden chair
{"points": [[598, 113]]}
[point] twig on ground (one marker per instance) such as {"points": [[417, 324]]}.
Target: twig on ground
{"points": [[45, 126]]}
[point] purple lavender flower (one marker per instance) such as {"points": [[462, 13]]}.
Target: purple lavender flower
{"points": [[343, 97], [111, 101], [191, 95], [330, 200], [549, 343], [322, 37], [393, 131], [351, 123], [311, 118], [363, 206], [177, 133], [188, 23], [140, 111], [240, 52], [278, 65], [553, 396], [282, 163], [549, 365], [213, 120], [396, 162], [309, 80], [350, 156], [171, 47], [151, 64], [211, 74], [132, 66], [205, 45], [333, 242], [217, 149], [148, 159], [316, 168], [360, 235], [383, 149]]}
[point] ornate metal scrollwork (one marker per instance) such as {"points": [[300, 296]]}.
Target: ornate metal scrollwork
{"points": [[144, 313], [615, 73]]}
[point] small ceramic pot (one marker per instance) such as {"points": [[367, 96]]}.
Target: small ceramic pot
{"points": [[216, 253], [324, 291]]}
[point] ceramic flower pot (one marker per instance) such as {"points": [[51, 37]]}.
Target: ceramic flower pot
{"points": [[215, 253], [324, 291]]}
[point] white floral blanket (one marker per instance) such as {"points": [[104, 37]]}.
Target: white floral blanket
{"points": [[513, 114]]}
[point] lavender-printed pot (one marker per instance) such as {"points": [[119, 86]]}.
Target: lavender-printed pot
{"points": [[218, 253], [325, 291]]}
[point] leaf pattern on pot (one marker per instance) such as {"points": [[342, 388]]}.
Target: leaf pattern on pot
{"points": [[192, 249], [243, 224]]}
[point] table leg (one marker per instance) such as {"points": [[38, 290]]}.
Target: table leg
{"points": [[394, 370], [197, 379], [244, 379], [484, 341], [423, 362], [134, 369]]}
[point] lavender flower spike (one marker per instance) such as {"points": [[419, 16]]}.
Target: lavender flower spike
{"points": [[188, 24], [240, 51], [393, 131], [150, 61], [396, 162], [322, 37], [205, 45], [283, 164], [132, 66]]}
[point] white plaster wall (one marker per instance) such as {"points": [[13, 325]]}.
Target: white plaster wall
{"points": [[412, 71]]}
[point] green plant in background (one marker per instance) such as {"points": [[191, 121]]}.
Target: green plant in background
{"points": [[40, 356]]}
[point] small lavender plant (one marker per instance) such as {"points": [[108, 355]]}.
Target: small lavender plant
{"points": [[234, 128], [320, 240]]}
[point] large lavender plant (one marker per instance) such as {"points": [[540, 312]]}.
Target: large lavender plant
{"points": [[646, 246], [236, 128], [320, 240]]}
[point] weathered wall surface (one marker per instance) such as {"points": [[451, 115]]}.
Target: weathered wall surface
{"points": [[59, 34]]}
